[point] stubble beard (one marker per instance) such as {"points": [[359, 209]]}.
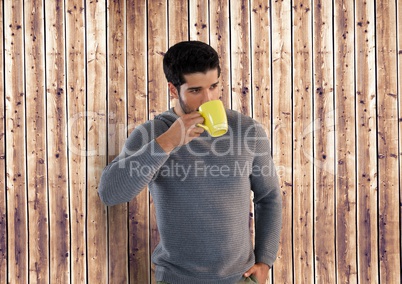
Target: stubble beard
{"points": [[185, 108]]}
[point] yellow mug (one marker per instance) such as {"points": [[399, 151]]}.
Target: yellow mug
{"points": [[215, 120]]}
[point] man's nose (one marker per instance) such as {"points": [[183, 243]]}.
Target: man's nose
{"points": [[208, 96]]}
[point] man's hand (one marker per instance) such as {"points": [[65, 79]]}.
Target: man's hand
{"points": [[260, 271], [182, 131]]}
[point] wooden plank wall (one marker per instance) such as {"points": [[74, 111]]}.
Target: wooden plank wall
{"points": [[323, 77]]}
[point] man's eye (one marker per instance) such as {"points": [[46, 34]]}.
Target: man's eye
{"points": [[213, 87], [194, 91]]}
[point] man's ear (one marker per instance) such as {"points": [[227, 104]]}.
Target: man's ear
{"points": [[173, 91]]}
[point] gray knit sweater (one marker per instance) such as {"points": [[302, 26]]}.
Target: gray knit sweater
{"points": [[201, 193]]}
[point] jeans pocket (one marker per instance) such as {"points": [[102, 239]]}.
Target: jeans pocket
{"points": [[249, 280], [252, 278]]}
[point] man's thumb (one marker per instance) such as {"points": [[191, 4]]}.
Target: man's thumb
{"points": [[249, 272]]}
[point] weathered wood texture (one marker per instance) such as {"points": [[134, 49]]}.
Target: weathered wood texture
{"points": [[139, 257], [323, 77], [36, 142], [96, 150], [240, 56], [324, 142], [57, 152], [282, 126], [15, 102], [387, 127], [366, 146], [3, 198], [198, 20], [345, 143], [399, 51], [117, 122], [302, 138], [157, 89], [219, 29], [77, 133]]}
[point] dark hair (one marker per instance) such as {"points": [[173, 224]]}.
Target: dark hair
{"points": [[188, 57]]}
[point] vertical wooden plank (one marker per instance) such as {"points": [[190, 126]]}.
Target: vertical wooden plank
{"points": [[97, 140], [198, 21], [261, 62], [303, 251], [324, 232], [178, 21], [399, 48], [15, 142], [57, 143], [282, 129], [118, 261], [366, 150], [76, 98], [367, 147], [241, 94], [345, 189], [240, 54], [178, 25], [139, 258], [36, 143], [241, 67], [220, 41], [3, 194], [387, 118], [157, 86], [157, 46]]}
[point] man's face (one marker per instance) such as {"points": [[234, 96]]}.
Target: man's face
{"points": [[198, 89]]}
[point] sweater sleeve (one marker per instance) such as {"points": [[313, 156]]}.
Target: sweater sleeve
{"points": [[267, 201], [128, 174]]}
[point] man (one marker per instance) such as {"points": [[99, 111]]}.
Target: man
{"points": [[201, 185]]}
